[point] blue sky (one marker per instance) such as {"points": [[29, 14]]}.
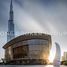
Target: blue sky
{"points": [[38, 16]]}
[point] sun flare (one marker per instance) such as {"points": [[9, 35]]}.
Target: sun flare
{"points": [[51, 58], [52, 55]]}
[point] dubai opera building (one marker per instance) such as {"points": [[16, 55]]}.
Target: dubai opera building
{"points": [[32, 48], [28, 48]]}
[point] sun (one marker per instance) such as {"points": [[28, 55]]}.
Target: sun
{"points": [[51, 59], [52, 55]]}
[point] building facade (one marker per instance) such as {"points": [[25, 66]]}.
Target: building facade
{"points": [[29, 47]]}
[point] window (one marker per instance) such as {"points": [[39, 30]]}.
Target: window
{"points": [[37, 42]]}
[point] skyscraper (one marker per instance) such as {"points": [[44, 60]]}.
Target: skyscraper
{"points": [[10, 33]]}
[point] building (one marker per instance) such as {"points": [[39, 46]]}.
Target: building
{"points": [[64, 57], [10, 33], [28, 48]]}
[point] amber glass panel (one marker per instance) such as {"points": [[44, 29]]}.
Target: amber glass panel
{"points": [[20, 52]]}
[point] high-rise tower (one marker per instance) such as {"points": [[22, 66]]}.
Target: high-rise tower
{"points": [[10, 33]]}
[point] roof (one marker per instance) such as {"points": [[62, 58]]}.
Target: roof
{"points": [[27, 37]]}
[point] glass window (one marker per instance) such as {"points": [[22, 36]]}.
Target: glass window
{"points": [[37, 42]]}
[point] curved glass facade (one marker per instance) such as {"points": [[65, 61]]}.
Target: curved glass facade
{"points": [[34, 48]]}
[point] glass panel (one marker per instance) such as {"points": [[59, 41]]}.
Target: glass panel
{"points": [[37, 42]]}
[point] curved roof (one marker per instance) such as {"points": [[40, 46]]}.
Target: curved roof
{"points": [[27, 37]]}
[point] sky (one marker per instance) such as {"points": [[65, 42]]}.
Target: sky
{"points": [[36, 16]]}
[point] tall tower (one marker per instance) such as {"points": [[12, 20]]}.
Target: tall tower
{"points": [[10, 33]]}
